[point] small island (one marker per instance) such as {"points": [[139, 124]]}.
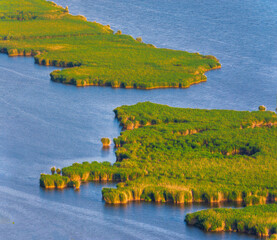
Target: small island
{"points": [[57, 181], [259, 220], [92, 54], [182, 155], [106, 142]]}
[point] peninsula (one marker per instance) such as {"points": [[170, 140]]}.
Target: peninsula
{"points": [[259, 220], [92, 54], [182, 155]]}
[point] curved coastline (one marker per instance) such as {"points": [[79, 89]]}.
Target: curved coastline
{"points": [[258, 220], [142, 66], [60, 79], [134, 86], [149, 126]]}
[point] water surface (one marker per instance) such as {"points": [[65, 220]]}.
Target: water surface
{"points": [[44, 124], [241, 34]]}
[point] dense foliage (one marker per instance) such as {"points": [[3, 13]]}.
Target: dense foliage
{"points": [[189, 155], [58, 181], [92, 52], [259, 220], [262, 108], [106, 141]]}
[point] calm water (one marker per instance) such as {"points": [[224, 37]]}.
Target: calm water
{"points": [[43, 124]]}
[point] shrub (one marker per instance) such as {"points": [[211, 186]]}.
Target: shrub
{"points": [[53, 170], [262, 108], [260, 220], [53, 181], [77, 184], [273, 237], [106, 141], [139, 39]]}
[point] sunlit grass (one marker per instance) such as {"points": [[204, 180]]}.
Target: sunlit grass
{"points": [[259, 220], [92, 52], [189, 155]]}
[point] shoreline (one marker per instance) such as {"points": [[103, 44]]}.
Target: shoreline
{"points": [[167, 68], [268, 199], [59, 80], [144, 122], [16, 53], [259, 220]]}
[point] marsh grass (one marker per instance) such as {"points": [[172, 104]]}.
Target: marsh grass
{"points": [[91, 53], [259, 220], [106, 142], [189, 155]]}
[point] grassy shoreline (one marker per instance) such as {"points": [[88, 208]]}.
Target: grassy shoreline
{"points": [[92, 54], [55, 77], [256, 220], [180, 155]]}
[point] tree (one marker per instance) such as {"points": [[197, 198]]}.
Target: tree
{"points": [[262, 108], [105, 141], [58, 171], [53, 170]]}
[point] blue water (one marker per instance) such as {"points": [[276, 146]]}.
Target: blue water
{"points": [[44, 124], [241, 34]]}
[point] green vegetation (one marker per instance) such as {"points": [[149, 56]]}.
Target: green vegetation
{"points": [[139, 39], [262, 108], [53, 181], [53, 170], [259, 220], [57, 181], [106, 142], [58, 171], [92, 53], [188, 155], [273, 237]]}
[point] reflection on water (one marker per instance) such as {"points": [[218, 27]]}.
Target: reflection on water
{"points": [[45, 124], [49, 125]]}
